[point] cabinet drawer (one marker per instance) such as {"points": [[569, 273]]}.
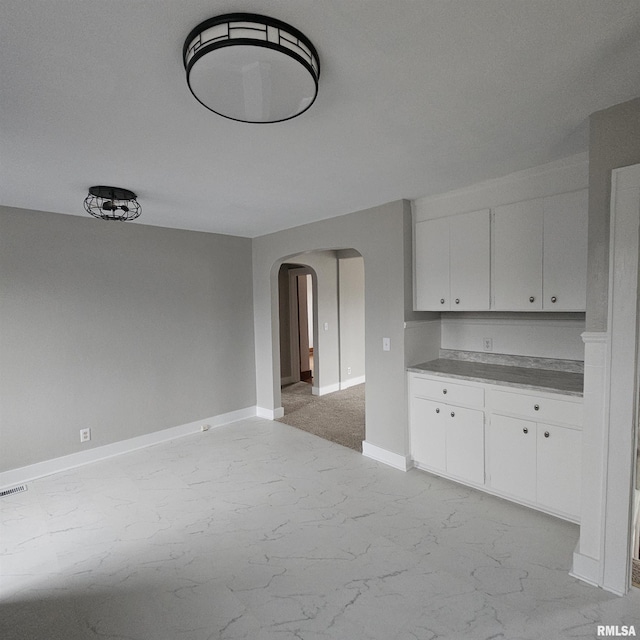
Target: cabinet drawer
{"points": [[537, 408], [449, 392]]}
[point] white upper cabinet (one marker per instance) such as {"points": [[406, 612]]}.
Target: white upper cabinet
{"points": [[564, 285], [470, 261], [540, 254], [432, 265], [517, 256], [452, 264]]}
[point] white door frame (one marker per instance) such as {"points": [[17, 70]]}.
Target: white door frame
{"points": [[294, 324], [623, 383]]}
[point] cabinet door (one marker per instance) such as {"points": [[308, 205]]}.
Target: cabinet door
{"points": [[428, 435], [470, 261], [559, 468], [512, 456], [517, 256], [565, 252], [432, 265], [465, 443]]}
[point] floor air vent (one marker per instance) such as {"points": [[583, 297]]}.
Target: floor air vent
{"points": [[12, 490]]}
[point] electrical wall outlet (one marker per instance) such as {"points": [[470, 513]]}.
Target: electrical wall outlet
{"points": [[348, 371], [85, 435], [487, 344]]}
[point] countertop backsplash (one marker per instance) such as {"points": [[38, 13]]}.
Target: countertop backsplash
{"points": [[549, 364]]}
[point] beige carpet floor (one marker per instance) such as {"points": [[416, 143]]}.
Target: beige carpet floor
{"points": [[338, 416]]}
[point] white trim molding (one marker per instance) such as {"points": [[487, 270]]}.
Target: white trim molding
{"points": [[610, 404], [323, 391], [81, 458], [352, 382], [588, 553], [395, 460], [270, 414]]}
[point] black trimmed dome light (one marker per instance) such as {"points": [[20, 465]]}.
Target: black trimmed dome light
{"points": [[251, 68], [112, 203]]}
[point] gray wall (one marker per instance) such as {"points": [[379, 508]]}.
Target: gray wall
{"points": [[614, 141], [380, 235], [351, 309], [123, 328]]}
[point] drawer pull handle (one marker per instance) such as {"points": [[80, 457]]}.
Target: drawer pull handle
{"points": [[444, 391], [536, 407], [437, 410], [546, 434], [457, 300], [554, 299], [525, 430], [441, 300], [532, 299], [453, 415]]}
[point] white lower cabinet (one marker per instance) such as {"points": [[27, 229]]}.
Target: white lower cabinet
{"points": [[559, 469], [512, 457], [532, 452], [447, 438], [535, 462]]}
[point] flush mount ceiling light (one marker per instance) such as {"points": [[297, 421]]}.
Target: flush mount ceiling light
{"points": [[251, 68], [112, 203]]}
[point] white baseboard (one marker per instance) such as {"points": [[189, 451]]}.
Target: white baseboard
{"points": [[394, 460], [345, 384], [287, 380], [322, 391], [80, 458], [586, 569], [270, 414]]}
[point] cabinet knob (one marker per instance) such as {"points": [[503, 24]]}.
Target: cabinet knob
{"points": [[536, 407], [532, 299], [437, 410], [444, 391], [441, 300], [525, 430], [554, 299], [453, 415], [457, 300], [546, 434]]}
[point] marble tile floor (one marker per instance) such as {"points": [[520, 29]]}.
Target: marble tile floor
{"points": [[258, 530]]}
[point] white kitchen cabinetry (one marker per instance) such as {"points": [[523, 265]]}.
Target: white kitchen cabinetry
{"points": [[564, 285], [452, 263], [517, 256], [447, 427], [432, 265], [539, 257], [534, 450]]}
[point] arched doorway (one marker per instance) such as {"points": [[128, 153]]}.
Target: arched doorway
{"points": [[321, 331]]}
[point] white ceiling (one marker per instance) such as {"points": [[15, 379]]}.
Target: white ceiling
{"points": [[416, 97]]}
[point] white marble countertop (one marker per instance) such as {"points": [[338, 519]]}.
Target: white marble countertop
{"points": [[527, 377]]}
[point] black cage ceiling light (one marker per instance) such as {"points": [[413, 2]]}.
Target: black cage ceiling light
{"points": [[112, 203], [251, 68]]}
